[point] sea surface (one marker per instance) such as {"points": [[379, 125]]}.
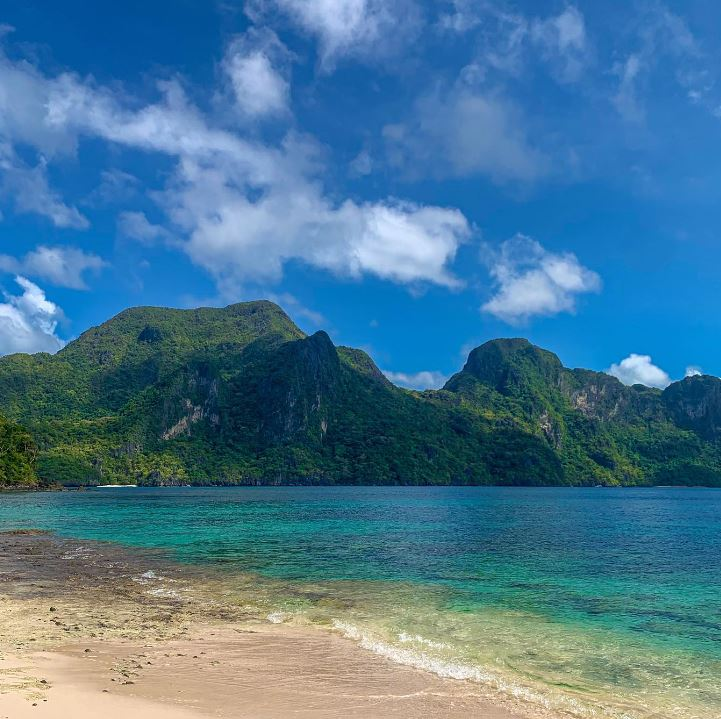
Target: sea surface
{"points": [[589, 602]]}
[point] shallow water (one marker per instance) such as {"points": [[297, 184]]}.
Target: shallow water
{"points": [[594, 602]]}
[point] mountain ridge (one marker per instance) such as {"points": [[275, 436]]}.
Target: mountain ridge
{"points": [[240, 395]]}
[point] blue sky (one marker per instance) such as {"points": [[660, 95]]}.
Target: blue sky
{"points": [[415, 178]]}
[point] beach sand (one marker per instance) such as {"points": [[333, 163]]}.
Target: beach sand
{"points": [[84, 632]]}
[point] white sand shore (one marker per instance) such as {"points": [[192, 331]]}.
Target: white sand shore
{"points": [[82, 638], [263, 673]]}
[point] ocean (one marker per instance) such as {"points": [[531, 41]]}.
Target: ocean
{"points": [[586, 602]]}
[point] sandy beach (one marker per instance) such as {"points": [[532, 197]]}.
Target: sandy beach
{"points": [[85, 632]]}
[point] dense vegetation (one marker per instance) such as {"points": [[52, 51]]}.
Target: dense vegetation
{"points": [[241, 396], [17, 457]]}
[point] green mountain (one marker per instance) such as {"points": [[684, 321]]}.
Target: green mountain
{"points": [[241, 396], [600, 430]]}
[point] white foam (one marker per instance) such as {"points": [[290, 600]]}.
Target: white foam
{"points": [[411, 657], [456, 670], [150, 576], [164, 593], [278, 617], [77, 553], [418, 639]]}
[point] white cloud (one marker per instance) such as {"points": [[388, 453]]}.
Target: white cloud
{"points": [[662, 31], [239, 240], [115, 186], [295, 308], [661, 35], [28, 186], [362, 164], [533, 281], [61, 266], [508, 41], [257, 65], [639, 369], [563, 41], [23, 109], [424, 379], [626, 100], [466, 131], [364, 29], [242, 208], [28, 322], [566, 31], [136, 226], [504, 42], [463, 17], [171, 126]]}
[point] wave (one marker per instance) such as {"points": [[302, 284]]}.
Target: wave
{"points": [[500, 685]]}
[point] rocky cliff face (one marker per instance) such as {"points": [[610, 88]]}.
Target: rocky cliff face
{"points": [[695, 403], [599, 396], [193, 399], [296, 393]]}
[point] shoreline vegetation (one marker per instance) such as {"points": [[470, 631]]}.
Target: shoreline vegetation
{"points": [[87, 628], [241, 396], [85, 488]]}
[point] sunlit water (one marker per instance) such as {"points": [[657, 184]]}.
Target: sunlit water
{"points": [[594, 602]]}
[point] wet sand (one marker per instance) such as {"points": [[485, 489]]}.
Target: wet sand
{"points": [[86, 630]]}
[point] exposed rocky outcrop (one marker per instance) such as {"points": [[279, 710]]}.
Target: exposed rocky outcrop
{"points": [[194, 401], [695, 403]]}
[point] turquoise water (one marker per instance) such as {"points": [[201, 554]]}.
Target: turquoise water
{"points": [[594, 602]]}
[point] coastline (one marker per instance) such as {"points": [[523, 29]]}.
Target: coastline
{"points": [[89, 627]]}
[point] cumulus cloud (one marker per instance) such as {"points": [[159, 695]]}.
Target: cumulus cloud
{"points": [[639, 369], [239, 240], [248, 208], [533, 281], [242, 208], [466, 131], [424, 379], [363, 29], [61, 266], [28, 322], [257, 66], [693, 371]]}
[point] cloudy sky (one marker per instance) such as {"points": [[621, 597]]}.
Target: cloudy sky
{"points": [[414, 177]]}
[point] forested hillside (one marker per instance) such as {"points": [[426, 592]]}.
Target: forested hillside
{"points": [[241, 396], [17, 457]]}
